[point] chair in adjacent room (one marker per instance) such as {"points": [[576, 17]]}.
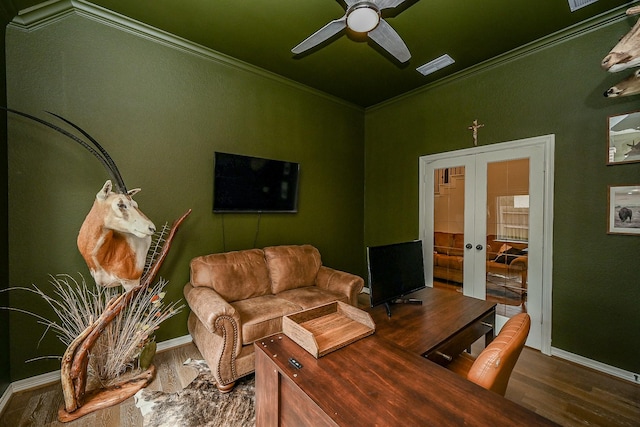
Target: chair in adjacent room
{"points": [[492, 368]]}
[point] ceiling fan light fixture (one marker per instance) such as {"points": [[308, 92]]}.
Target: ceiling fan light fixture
{"points": [[363, 19]]}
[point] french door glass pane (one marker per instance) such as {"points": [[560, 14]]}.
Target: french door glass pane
{"points": [[507, 235], [448, 236]]}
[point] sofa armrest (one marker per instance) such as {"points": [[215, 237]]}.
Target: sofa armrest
{"points": [[209, 306], [521, 262], [341, 282], [217, 332]]}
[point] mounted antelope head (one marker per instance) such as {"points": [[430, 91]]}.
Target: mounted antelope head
{"points": [[626, 54], [115, 236], [114, 239], [628, 86]]}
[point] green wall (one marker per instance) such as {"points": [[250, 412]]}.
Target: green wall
{"points": [[5, 16], [161, 112], [553, 90]]}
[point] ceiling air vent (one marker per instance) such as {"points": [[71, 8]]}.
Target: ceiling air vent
{"points": [[577, 4], [435, 65]]}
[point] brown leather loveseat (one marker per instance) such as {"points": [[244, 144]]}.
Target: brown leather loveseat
{"points": [[448, 250], [239, 297]]}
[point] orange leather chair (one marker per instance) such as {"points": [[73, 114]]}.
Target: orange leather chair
{"points": [[492, 368]]}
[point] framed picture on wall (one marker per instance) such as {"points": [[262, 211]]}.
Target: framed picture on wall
{"points": [[624, 209], [624, 138]]}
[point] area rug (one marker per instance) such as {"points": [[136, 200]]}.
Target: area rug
{"points": [[200, 404]]}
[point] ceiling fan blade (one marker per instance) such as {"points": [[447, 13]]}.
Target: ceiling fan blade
{"points": [[385, 36], [324, 33], [388, 4]]}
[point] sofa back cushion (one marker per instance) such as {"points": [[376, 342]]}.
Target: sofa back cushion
{"points": [[234, 275], [292, 267], [448, 243], [442, 242], [458, 245]]}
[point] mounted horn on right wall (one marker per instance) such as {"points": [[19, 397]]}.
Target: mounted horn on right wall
{"points": [[626, 54]]}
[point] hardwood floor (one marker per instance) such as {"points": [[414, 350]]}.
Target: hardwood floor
{"points": [[39, 407], [572, 395], [504, 292], [566, 393]]}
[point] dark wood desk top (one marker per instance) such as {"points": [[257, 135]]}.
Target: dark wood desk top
{"points": [[382, 379], [376, 383], [420, 328]]}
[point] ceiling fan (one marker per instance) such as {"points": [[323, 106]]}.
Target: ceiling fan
{"points": [[362, 17]]}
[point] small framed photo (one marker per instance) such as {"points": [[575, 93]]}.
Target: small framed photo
{"points": [[624, 138], [624, 209]]}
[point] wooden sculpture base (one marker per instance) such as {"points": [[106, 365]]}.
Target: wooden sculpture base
{"points": [[106, 397]]}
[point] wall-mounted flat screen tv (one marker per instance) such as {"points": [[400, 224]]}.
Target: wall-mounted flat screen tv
{"points": [[253, 184], [395, 270]]}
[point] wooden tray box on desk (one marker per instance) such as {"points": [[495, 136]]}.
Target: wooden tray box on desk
{"points": [[326, 328]]}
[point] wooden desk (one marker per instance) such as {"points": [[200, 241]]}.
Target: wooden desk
{"points": [[446, 323], [376, 381]]}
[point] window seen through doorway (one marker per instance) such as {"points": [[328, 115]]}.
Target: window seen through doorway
{"points": [[513, 218]]}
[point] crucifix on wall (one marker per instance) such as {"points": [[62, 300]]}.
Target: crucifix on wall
{"points": [[474, 128]]}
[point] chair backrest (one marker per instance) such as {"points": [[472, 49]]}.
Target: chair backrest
{"points": [[492, 368]]}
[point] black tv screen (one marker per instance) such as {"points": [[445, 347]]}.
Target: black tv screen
{"points": [[395, 270], [253, 184]]}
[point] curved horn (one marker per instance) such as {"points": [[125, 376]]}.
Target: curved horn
{"points": [[103, 156], [115, 172]]}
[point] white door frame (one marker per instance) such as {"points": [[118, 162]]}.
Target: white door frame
{"points": [[426, 193]]}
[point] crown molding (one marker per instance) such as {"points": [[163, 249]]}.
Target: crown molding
{"points": [[42, 14], [53, 11], [582, 28]]}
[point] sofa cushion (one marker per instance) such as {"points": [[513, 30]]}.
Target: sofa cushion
{"points": [[262, 316], [457, 248], [311, 296], [448, 243], [292, 267], [446, 261], [442, 242], [234, 275]]}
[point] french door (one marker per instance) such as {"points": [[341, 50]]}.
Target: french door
{"points": [[486, 224]]}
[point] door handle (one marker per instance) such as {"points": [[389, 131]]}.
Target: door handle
{"points": [[468, 246], [479, 247]]}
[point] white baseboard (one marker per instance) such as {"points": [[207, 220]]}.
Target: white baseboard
{"points": [[5, 398], [52, 377], [595, 365], [173, 343]]}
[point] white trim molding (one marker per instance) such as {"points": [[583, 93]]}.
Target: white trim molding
{"points": [[595, 365], [52, 11], [581, 28], [541, 148]]}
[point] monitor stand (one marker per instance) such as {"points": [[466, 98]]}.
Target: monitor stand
{"points": [[387, 305]]}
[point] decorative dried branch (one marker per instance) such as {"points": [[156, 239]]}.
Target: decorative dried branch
{"points": [[77, 306], [156, 247], [76, 359]]}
